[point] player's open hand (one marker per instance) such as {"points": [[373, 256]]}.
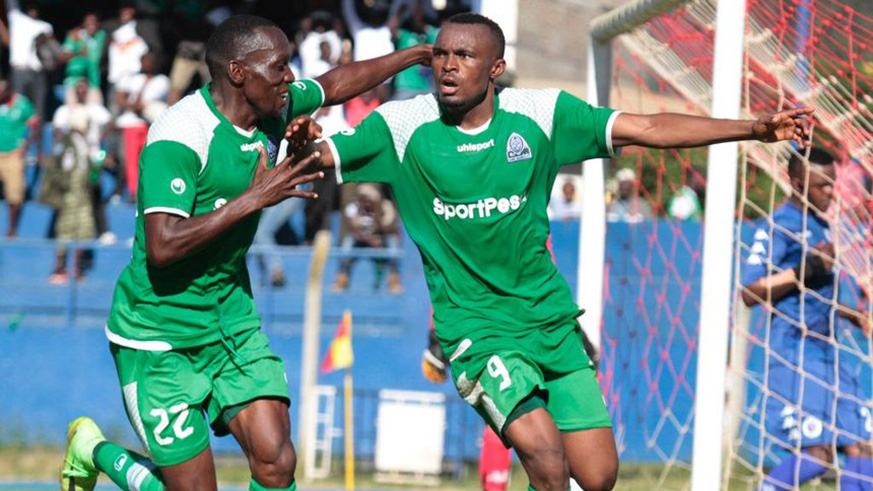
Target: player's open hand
{"points": [[300, 132], [792, 124], [280, 183]]}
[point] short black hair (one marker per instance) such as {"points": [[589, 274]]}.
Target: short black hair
{"points": [[231, 40], [817, 156], [468, 18]]}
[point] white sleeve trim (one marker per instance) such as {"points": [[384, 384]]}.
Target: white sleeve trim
{"points": [[609, 125], [135, 344], [323, 96], [336, 160], [166, 209]]}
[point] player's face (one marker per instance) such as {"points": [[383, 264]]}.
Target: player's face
{"points": [[820, 190], [464, 62], [267, 74]]}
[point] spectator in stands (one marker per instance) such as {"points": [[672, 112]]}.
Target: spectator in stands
{"points": [[361, 106], [126, 49], [314, 68], [4, 39], [28, 35], [372, 223], [815, 401], [686, 203], [627, 206], [190, 58], [95, 119], [566, 206], [418, 79], [75, 214], [315, 30], [17, 121], [319, 212], [370, 33], [83, 50], [141, 97]]}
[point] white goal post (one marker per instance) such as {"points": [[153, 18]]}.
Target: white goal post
{"points": [[718, 253]]}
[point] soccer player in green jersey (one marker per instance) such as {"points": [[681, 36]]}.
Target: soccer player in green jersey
{"points": [[472, 168], [183, 328]]}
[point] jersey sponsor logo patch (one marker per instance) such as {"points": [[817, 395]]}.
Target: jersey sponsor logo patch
{"points": [[251, 147], [178, 185], [475, 147], [517, 148], [480, 209]]}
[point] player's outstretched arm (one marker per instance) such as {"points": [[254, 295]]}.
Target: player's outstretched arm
{"points": [[671, 130], [349, 80], [170, 238]]}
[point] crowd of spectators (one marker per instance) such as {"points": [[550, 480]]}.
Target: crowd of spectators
{"points": [[80, 85], [74, 115]]}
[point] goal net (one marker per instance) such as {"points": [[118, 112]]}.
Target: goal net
{"points": [[796, 52]]}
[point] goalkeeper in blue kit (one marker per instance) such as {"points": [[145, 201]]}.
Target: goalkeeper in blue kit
{"points": [[815, 403]]}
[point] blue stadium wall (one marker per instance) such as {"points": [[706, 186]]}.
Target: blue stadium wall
{"points": [[55, 365]]}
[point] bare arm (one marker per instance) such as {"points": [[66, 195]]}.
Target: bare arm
{"points": [[778, 285], [818, 263], [671, 130], [170, 238], [346, 81]]}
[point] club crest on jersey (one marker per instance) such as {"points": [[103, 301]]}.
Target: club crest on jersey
{"points": [[517, 148]]}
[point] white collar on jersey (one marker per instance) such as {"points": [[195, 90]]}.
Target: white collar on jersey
{"points": [[477, 130]]}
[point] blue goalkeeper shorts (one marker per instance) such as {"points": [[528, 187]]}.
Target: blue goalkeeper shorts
{"points": [[805, 408]]}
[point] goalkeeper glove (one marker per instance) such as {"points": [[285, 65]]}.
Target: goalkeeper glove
{"points": [[433, 361]]}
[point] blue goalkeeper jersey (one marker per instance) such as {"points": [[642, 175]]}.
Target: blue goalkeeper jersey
{"points": [[779, 245]]}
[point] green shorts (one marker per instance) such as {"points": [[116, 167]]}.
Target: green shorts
{"points": [[496, 373], [167, 392]]}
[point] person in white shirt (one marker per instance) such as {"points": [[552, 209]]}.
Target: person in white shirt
{"points": [[371, 40], [126, 49], [89, 118], [318, 29], [566, 206], [141, 98], [26, 32]]}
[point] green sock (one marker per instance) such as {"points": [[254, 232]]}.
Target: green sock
{"points": [[129, 470], [254, 486]]}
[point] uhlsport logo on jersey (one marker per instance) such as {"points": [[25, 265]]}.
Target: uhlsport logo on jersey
{"points": [[177, 185], [480, 209], [517, 148], [251, 147], [475, 147]]}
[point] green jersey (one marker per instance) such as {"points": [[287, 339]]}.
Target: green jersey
{"points": [[194, 162], [474, 202], [87, 65], [14, 118]]}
